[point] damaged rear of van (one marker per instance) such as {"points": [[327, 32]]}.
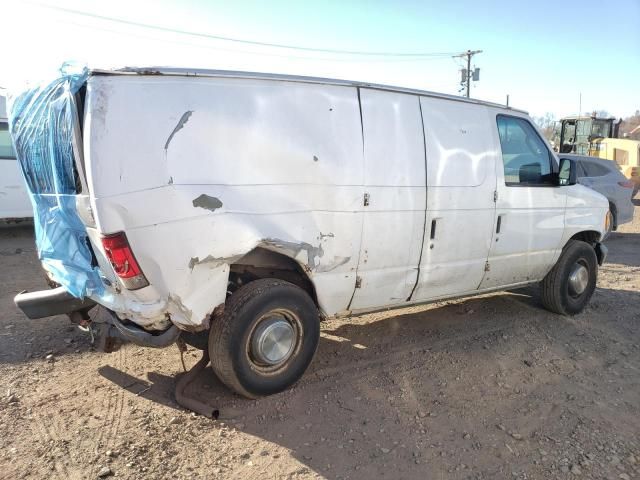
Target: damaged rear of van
{"points": [[242, 208]]}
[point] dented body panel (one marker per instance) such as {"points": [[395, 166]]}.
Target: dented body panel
{"points": [[222, 167], [380, 197]]}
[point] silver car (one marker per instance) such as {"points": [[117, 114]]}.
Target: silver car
{"points": [[605, 177]]}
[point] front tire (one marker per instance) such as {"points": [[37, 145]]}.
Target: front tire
{"points": [[569, 285], [266, 338]]}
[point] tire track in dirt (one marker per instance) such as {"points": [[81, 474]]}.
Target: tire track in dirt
{"points": [[111, 418], [48, 427], [396, 356]]}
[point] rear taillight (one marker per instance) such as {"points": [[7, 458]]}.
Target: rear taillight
{"points": [[627, 184], [119, 253]]}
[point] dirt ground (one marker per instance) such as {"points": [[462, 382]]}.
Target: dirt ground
{"points": [[485, 388]]}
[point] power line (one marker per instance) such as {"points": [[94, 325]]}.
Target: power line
{"points": [[246, 52], [243, 41]]}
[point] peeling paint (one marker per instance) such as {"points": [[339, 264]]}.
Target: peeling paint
{"points": [[207, 202], [215, 261], [176, 301], [296, 248], [337, 261], [183, 120]]}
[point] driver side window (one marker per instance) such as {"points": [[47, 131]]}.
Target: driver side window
{"points": [[526, 158]]}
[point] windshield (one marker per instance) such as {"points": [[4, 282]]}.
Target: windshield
{"points": [[601, 128]]}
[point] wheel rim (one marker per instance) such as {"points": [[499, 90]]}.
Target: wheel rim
{"points": [[578, 278], [275, 339]]}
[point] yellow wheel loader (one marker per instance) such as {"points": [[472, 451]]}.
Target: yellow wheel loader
{"points": [[598, 137]]}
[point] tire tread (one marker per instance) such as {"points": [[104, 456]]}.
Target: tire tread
{"points": [[220, 340], [552, 286]]}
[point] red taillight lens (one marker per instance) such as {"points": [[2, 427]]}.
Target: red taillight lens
{"points": [[119, 253], [627, 184]]}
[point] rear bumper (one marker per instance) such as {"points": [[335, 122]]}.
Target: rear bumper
{"points": [[624, 211], [46, 303]]}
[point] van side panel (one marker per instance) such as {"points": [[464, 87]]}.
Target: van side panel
{"points": [[200, 171], [461, 159], [395, 182]]}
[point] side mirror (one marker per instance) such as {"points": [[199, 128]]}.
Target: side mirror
{"points": [[568, 173]]}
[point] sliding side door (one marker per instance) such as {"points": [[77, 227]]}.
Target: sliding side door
{"points": [[394, 203]]}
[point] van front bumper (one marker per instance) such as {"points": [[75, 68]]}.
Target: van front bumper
{"points": [[47, 303]]}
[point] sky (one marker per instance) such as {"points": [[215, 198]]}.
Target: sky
{"points": [[545, 55]]}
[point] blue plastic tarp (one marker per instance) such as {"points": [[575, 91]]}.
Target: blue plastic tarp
{"points": [[42, 122]]}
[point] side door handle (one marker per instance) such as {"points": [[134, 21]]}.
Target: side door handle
{"points": [[499, 224], [432, 233]]}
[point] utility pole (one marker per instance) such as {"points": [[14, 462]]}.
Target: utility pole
{"points": [[580, 105], [467, 74]]}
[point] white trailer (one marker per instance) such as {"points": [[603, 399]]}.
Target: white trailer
{"points": [[14, 200]]}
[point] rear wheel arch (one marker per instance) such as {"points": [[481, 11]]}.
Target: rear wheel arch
{"points": [[258, 264], [261, 263]]}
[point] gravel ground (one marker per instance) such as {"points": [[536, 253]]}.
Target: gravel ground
{"points": [[484, 388]]}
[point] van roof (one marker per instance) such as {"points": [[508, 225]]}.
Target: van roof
{"points": [[198, 72]]}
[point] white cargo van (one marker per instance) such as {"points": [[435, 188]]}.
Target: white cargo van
{"points": [[248, 207]]}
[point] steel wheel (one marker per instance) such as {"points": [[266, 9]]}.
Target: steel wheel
{"points": [[578, 278], [275, 338], [265, 339]]}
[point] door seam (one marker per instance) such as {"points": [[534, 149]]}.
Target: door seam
{"points": [[426, 198], [364, 166]]}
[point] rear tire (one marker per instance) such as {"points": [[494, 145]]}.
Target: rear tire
{"points": [[266, 338], [569, 285]]}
